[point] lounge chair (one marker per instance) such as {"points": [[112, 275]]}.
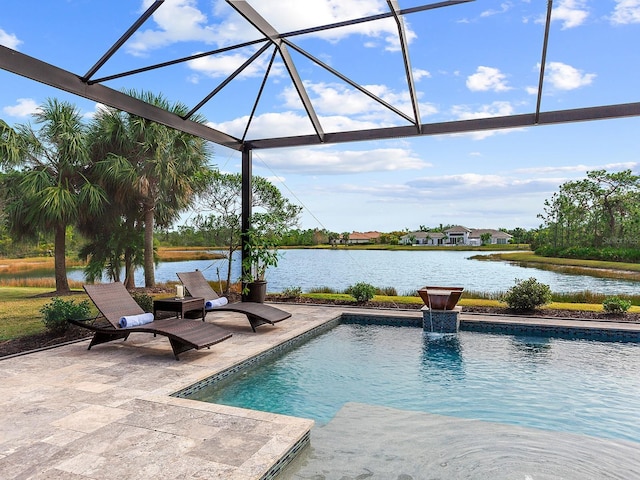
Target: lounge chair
{"points": [[257, 313], [114, 302]]}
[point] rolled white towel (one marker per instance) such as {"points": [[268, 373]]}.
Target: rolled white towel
{"points": [[129, 321], [217, 302]]}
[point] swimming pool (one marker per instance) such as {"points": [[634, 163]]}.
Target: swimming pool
{"points": [[578, 386]]}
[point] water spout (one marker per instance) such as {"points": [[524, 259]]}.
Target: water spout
{"points": [[440, 303]]}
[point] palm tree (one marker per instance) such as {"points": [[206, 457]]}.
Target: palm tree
{"points": [[115, 244], [116, 238], [156, 169], [52, 191], [9, 141]]}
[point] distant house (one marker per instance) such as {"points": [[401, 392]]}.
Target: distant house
{"points": [[363, 238], [457, 235], [497, 237], [423, 238]]}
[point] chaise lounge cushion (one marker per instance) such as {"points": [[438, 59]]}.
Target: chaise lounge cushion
{"points": [[257, 313], [114, 302]]}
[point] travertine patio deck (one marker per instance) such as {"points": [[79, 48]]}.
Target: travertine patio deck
{"points": [[70, 414]]}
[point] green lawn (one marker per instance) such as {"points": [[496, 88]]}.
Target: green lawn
{"points": [[20, 310], [532, 258]]}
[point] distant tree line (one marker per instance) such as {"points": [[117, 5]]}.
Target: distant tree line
{"points": [[210, 236], [594, 218]]}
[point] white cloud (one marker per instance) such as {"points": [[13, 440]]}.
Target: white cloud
{"points": [[267, 125], [626, 11], [504, 7], [331, 98], [291, 124], [495, 109], [177, 21], [98, 107], [24, 108], [566, 77], [487, 78], [341, 123], [9, 40], [224, 65], [582, 169], [329, 161], [288, 15], [478, 186], [498, 200], [419, 74], [336, 99], [572, 13]]}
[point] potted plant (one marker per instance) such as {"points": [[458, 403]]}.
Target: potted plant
{"points": [[260, 252]]}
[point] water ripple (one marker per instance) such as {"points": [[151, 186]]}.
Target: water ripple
{"points": [[365, 441]]}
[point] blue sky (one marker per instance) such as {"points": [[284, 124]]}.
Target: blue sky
{"points": [[474, 60]]}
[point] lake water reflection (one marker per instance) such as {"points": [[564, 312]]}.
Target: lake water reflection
{"points": [[405, 270]]}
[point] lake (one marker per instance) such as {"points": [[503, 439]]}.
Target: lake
{"points": [[404, 270]]}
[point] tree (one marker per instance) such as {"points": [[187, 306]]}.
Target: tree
{"points": [[618, 195], [10, 154], [601, 209], [156, 170], [115, 247], [334, 237], [520, 235], [116, 240], [221, 208], [52, 191], [485, 238]]}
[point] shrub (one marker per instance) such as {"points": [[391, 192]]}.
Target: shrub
{"points": [[527, 295], [292, 292], [56, 313], [144, 300], [616, 305], [387, 291], [323, 289], [362, 292]]}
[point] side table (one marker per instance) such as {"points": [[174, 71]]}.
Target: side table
{"points": [[179, 305]]}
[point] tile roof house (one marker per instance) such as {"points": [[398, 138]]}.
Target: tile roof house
{"points": [[361, 238], [423, 238], [497, 237], [458, 235]]}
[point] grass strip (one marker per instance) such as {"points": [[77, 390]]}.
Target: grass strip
{"points": [[532, 258], [468, 302], [20, 311]]}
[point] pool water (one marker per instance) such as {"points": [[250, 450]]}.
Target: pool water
{"points": [[579, 386]]}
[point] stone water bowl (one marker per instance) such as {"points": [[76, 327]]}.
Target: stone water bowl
{"points": [[440, 298]]}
